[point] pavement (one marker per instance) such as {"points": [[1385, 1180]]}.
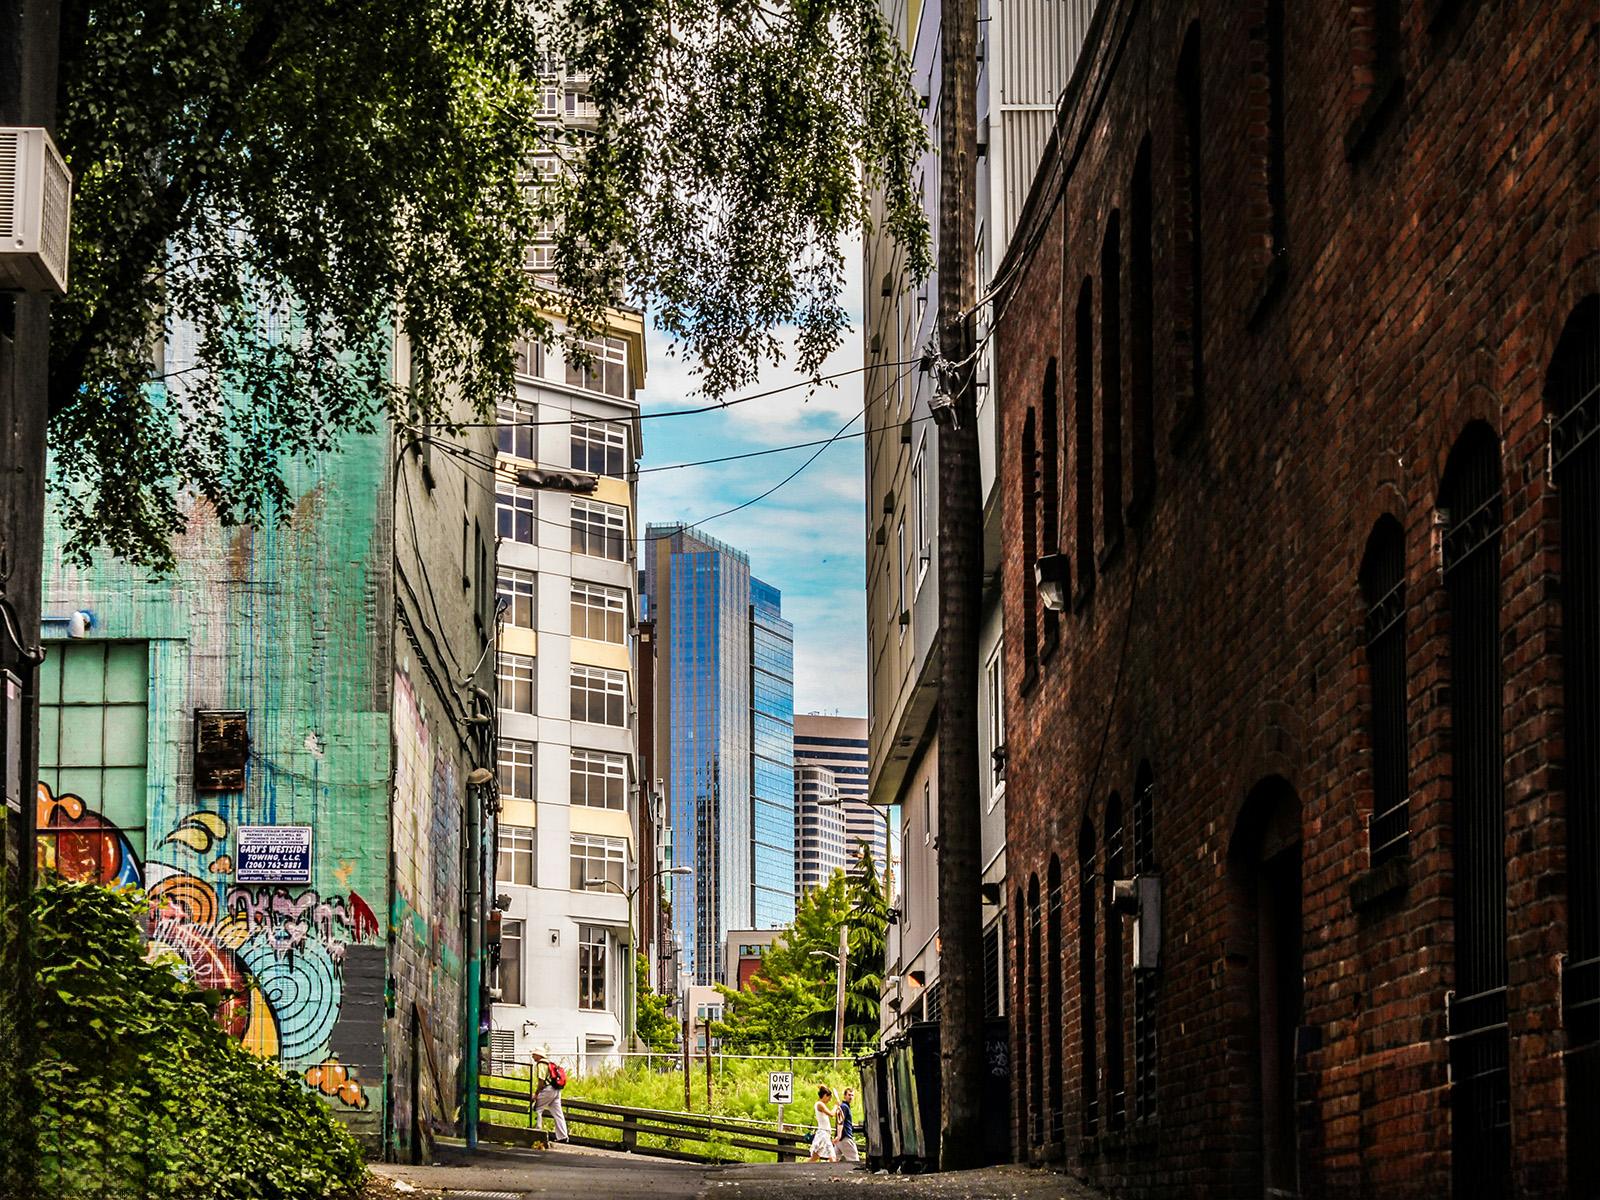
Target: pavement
{"points": [[584, 1174]]}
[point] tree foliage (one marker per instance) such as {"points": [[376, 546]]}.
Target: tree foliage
{"points": [[657, 1030], [790, 1004], [294, 180], [137, 1092]]}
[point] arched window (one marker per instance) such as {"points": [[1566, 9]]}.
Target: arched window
{"points": [[1083, 449], [1141, 309], [1572, 393], [1144, 981], [1089, 1073], [1479, 1048], [1116, 1080], [1189, 256], [1036, 1053], [1049, 488], [1111, 382], [1383, 591], [1027, 1064], [1053, 1025]]}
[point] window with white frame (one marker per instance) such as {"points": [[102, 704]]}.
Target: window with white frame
{"points": [[549, 100], [515, 863], [540, 257], [513, 513], [900, 573], [919, 512], [994, 689], [600, 447], [515, 587], [599, 613], [597, 862], [599, 695], [508, 974], [514, 428], [515, 674], [599, 779], [515, 761], [600, 530], [927, 813], [527, 362], [606, 368], [594, 967]]}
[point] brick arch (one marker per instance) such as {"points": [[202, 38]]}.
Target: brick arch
{"points": [[1275, 747], [1477, 403]]}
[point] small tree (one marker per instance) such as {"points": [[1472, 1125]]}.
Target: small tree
{"points": [[657, 1030], [869, 932]]}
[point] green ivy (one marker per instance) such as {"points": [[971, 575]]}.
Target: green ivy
{"points": [[137, 1094]]}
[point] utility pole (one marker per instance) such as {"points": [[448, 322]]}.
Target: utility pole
{"points": [[838, 994], [960, 596]]}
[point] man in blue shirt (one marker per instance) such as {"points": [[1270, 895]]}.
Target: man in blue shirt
{"points": [[845, 1144]]}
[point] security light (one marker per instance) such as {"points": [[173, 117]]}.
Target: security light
{"points": [[1051, 572]]}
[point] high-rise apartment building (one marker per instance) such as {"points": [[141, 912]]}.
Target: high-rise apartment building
{"points": [[1027, 49], [840, 745], [724, 740], [569, 783], [820, 844]]}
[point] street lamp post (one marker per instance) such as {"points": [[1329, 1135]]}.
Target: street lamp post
{"points": [[888, 830], [628, 894]]}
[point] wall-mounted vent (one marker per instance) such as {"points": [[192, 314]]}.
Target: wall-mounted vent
{"points": [[35, 211], [221, 749]]}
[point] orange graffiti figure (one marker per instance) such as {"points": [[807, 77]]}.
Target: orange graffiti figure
{"points": [[79, 843], [332, 1078]]}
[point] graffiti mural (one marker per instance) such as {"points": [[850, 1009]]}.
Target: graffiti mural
{"points": [[80, 844], [333, 1079]]}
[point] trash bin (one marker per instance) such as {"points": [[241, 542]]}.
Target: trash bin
{"points": [[874, 1070]]}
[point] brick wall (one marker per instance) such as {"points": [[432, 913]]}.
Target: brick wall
{"points": [[1435, 228]]}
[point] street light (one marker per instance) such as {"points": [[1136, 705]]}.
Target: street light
{"points": [[841, 960], [888, 832], [628, 895]]}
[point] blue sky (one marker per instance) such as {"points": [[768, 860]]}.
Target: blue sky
{"points": [[808, 538]]}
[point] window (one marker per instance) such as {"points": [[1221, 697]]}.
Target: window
{"points": [[1277, 229], [1375, 62], [1144, 982], [1052, 924], [1383, 588], [1028, 1061], [927, 813], [599, 779], [1476, 1014], [919, 512], [1116, 1084], [515, 587], [1036, 1042], [1188, 255], [515, 863], [1027, 468], [599, 613], [508, 972], [600, 530], [1089, 1073], [1111, 383], [994, 690], [1049, 469], [527, 362], [600, 447], [599, 696], [606, 370], [993, 1001], [513, 513], [94, 749], [515, 675], [1142, 304], [1083, 442], [594, 967], [515, 761], [900, 571], [597, 862], [515, 432]]}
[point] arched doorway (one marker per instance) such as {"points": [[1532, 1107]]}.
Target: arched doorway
{"points": [[1268, 974]]}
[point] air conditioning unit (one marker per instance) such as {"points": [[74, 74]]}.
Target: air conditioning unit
{"points": [[35, 211]]}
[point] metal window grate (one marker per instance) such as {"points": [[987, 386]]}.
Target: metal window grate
{"points": [[1027, 1050], [1479, 1047], [1083, 435], [1384, 589], [1029, 467], [1111, 381], [1035, 1014], [1144, 982], [1116, 1078], [1053, 928], [991, 972]]}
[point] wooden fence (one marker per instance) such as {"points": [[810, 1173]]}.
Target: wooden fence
{"points": [[496, 1100]]}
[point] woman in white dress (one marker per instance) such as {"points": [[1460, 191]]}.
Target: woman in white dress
{"points": [[822, 1141]]}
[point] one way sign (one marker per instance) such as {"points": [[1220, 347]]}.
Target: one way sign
{"points": [[780, 1087]]}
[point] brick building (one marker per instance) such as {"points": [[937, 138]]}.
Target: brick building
{"points": [[1299, 348]]}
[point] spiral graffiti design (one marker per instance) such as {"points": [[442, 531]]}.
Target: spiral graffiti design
{"points": [[302, 985]]}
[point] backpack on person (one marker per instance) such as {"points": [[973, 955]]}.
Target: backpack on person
{"points": [[555, 1075]]}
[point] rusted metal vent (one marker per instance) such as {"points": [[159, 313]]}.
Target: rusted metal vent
{"points": [[221, 748]]}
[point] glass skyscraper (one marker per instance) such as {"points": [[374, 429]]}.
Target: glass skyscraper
{"points": [[725, 739]]}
